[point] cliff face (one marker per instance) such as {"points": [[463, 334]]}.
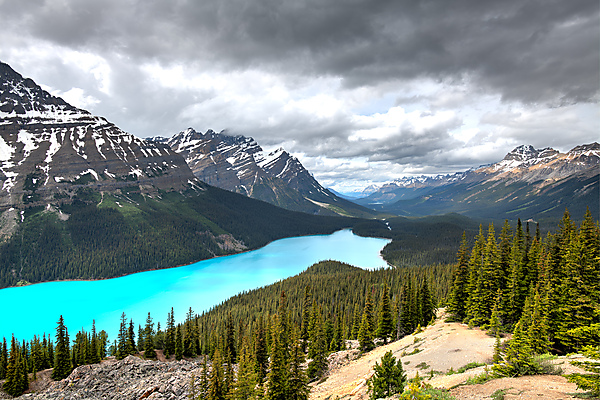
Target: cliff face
{"points": [[49, 149]]}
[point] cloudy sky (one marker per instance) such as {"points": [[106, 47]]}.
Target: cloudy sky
{"points": [[362, 91]]}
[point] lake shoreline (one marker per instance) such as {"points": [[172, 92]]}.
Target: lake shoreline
{"points": [[186, 264]]}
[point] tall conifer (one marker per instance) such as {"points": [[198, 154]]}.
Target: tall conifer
{"points": [[62, 360]]}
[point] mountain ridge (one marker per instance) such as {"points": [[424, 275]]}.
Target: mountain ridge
{"points": [[82, 199], [239, 164], [516, 185]]}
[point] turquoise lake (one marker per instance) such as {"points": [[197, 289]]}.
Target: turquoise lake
{"points": [[35, 309]]}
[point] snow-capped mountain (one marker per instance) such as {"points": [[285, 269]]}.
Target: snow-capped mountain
{"points": [[50, 149], [239, 164], [523, 176]]}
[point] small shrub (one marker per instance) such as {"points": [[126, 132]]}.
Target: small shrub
{"points": [[478, 379], [499, 394], [422, 365], [544, 366], [469, 366]]}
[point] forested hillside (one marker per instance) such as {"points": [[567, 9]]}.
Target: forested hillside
{"points": [[107, 235], [543, 290]]}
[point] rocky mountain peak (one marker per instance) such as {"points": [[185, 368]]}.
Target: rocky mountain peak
{"points": [[591, 150], [525, 153], [50, 149]]}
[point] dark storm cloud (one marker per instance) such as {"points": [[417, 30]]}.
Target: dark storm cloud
{"points": [[532, 51]]}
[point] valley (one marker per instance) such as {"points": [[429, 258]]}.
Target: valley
{"points": [[510, 249]]}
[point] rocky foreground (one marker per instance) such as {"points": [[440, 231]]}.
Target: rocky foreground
{"points": [[433, 353], [130, 379]]}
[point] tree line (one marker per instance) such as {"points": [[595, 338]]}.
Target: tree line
{"points": [[545, 291]]}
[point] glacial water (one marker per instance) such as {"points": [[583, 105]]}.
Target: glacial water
{"points": [[35, 309]]}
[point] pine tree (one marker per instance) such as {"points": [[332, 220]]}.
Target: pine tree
{"points": [[62, 361], [474, 288], [306, 312], [130, 348], [170, 335], [121, 350], [365, 339], [588, 339], [538, 329], [517, 287], [230, 339], [178, 344], [518, 359], [426, 304], [246, 377], [14, 383], [298, 388], [277, 378], [94, 346], [337, 341], [457, 299], [149, 351], [317, 347], [368, 310], [261, 356], [389, 377], [216, 390], [384, 321], [3, 359]]}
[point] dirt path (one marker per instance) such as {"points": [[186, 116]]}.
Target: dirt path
{"points": [[438, 348], [432, 353]]}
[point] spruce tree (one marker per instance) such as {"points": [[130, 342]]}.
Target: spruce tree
{"points": [[518, 359], [230, 339], [538, 329], [457, 298], [94, 345], [365, 339], [317, 347], [216, 390], [389, 377], [14, 384], [306, 313], [426, 304], [121, 350], [261, 355], [178, 344], [62, 360], [277, 378], [246, 377], [298, 388], [149, 351], [170, 335], [3, 359], [130, 348], [384, 320]]}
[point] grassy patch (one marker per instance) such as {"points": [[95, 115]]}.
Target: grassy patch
{"points": [[478, 379], [423, 365], [469, 366], [499, 394]]}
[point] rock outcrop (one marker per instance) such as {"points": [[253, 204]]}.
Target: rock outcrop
{"points": [[128, 379]]}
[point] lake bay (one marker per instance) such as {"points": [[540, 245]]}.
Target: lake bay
{"points": [[35, 309]]}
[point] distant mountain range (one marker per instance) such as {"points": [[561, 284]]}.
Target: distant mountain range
{"points": [[527, 183], [239, 164], [82, 199]]}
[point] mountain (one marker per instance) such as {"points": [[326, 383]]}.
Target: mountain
{"points": [[239, 164], [82, 199], [526, 183], [50, 149]]}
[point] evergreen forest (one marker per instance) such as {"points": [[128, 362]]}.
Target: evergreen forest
{"points": [[544, 290]]}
